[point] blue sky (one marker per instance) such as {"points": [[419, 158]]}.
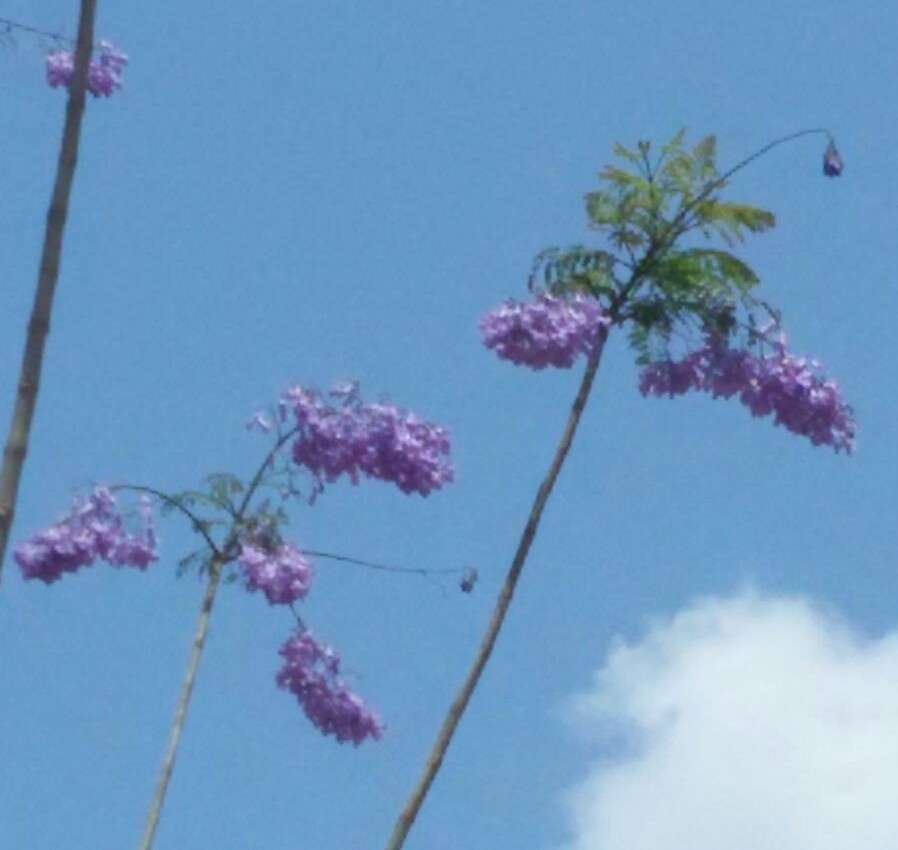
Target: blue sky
{"points": [[324, 191]]}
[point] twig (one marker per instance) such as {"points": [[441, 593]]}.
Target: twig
{"points": [[196, 523], [421, 571], [9, 26]]}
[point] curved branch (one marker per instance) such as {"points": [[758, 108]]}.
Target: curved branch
{"points": [[198, 524], [460, 703], [758, 153], [260, 472]]}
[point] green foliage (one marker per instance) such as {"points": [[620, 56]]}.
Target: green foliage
{"points": [[578, 269], [222, 486], [729, 221], [648, 277], [216, 512]]}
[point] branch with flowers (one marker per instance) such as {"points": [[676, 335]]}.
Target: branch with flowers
{"points": [[79, 73], [691, 315], [104, 73], [318, 439]]}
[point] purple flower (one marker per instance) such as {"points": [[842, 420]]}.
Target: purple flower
{"points": [[283, 573], [94, 529], [791, 388], [550, 330], [377, 440], [311, 671], [832, 160], [60, 67], [104, 75]]}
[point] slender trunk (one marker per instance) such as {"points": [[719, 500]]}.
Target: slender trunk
{"points": [[460, 703], [39, 324], [177, 728]]}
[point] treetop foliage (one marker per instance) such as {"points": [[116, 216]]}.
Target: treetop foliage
{"points": [[648, 274]]}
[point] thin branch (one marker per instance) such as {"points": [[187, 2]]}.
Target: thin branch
{"points": [[459, 704], [260, 472], [198, 523], [758, 153], [177, 729], [10, 25], [299, 620], [39, 324], [421, 571]]}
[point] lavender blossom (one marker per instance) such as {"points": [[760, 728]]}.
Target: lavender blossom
{"points": [[284, 574], [550, 330], [94, 529], [104, 75], [377, 440], [311, 672], [792, 388]]}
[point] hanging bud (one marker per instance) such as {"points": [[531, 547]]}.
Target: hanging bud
{"points": [[468, 579], [832, 160]]}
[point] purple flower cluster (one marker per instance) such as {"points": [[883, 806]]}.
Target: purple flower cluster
{"points": [[311, 671], [792, 388], [104, 75], [549, 330], [283, 574], [377, 440], [94, 529]]}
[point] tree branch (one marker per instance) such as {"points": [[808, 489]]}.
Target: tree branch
{"points": [[432, 766], [39, 324]]}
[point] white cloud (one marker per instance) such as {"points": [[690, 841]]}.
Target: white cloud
{"points": [[749, 723]]}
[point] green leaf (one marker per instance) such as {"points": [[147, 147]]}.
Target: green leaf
{"points": [[626, 153], [198, 557], [704, 155], [699, 274], [675, 144], [730, 221], [576, 269], [225, 482]]}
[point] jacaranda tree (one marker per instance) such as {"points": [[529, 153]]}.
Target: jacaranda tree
{"points": [[663, 271]]}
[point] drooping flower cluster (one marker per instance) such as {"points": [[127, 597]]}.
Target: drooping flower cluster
{"points": [[311, 671], [377, 440], [791, 388], [95, 529], [282, 573], [104, 75], [549, 330]]}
